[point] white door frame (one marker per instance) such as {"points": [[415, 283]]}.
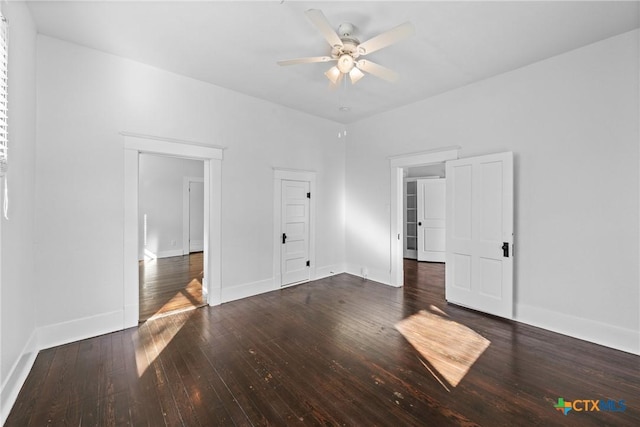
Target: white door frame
{"points": [[186, 212], [292, 175], [397, 164], [134, 144]]}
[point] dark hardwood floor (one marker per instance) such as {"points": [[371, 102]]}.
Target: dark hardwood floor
{"points": [[330, 353], [170, 284]]}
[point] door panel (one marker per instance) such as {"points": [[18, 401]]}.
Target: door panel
{"points": [[295, 230], [196, 216], [431, 219], [479, 221]]}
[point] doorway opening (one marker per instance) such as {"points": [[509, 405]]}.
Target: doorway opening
{"points": [[171, 242], [424, 213], [136, 145], [419, 163]]}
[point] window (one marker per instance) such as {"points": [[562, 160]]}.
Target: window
{"points": [[4, 136], [4, 121]]}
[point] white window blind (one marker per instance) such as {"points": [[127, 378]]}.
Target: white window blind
{"points": [[4, 113], [4, 134]]}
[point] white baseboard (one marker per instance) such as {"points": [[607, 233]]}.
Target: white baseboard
{"points": [[131, 316], [247, 290], [626, 340], [261, 286], [373, 274], [214, 297], [328, 271], [169, 253], [17, 376], [80, 329], [196, 246]]}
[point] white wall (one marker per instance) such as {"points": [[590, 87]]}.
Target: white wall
{"points": [[160, 198], [85, 98], [572, 122], [17, 284]]}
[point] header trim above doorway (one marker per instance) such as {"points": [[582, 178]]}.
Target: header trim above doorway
{"points": [[424, 157], [170, 146]]}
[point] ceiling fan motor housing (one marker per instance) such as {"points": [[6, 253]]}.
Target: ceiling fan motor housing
{"points": [[346, 29], [349, 47]]}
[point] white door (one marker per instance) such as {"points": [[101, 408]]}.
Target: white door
{"points": [[196, 216], [294, 254], [479, 262], [431, 220]]}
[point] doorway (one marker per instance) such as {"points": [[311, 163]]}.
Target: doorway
{"points": [[134, 146], [171, 211], [398, 165], [424, 213]]}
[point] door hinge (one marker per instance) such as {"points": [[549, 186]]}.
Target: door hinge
{"points": [[308, 195], [308, 263]]}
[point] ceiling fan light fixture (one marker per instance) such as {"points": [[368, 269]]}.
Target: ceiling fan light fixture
{"points": [[345, 63], [333, 74], [355, 75]]}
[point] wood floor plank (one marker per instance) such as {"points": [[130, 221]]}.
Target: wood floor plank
{"points": [[30, 401], [330, 352]]}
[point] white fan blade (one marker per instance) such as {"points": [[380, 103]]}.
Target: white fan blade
{"points": [[318, 19], [377, 70], [387, 38], [309, 60]]}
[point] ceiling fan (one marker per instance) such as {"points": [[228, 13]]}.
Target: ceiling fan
{"points": [[347, 50]]}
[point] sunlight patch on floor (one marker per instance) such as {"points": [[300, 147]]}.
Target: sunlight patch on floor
{"points": [[449, 348], [155, 340], [185, 299]]}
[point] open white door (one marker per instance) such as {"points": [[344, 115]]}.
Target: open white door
{"points": [[295, 232], [431, 219], [479, 263]]}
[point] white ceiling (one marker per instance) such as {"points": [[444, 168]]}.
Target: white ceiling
{"points": [[236, 44]]}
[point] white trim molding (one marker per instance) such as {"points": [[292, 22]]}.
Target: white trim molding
{"points": [[422, 158], [17, 376], [134, 144], [172, 147], [585, 329]]}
